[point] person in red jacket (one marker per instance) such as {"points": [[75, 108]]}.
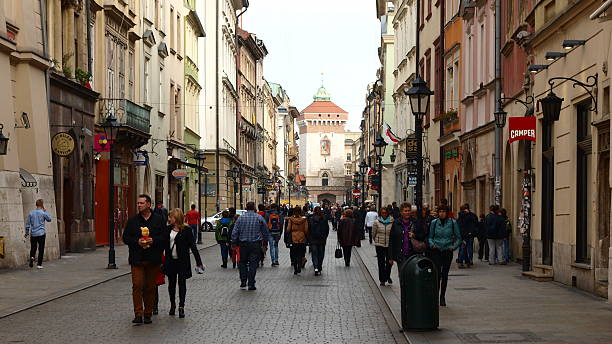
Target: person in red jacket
{"points": [[193, 220]]}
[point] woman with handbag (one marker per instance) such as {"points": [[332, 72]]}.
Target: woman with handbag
{"points": [[348, 235], [380, 236], [297, 227], [444, 238], [406, 238], [178, 263]]}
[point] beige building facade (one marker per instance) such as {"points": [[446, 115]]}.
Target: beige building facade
{"points": [[571, 227], [26, 172]]}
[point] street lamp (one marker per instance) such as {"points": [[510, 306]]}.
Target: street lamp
{"points": [[233, 174], [111, 128], [379, 147], [500, 118], [199, 157], [3, 141], [419, 95], [551, 104], [551, 107]]}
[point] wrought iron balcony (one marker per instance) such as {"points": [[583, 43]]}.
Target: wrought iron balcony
{"points": [[128, 114]]}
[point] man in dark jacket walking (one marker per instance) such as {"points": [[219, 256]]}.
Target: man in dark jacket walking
{"points": [[144, 235], [318, 230], [496, 229], [468, 225]]}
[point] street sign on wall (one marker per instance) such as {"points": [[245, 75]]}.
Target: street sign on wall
{"points": [[521, 128], [411, 148], [356, 193]]}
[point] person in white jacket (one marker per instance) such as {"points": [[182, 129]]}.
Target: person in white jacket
{"points": [[370, 218]]}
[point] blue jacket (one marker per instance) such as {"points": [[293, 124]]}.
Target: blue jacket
{"points": [[35, 223], [444, 236], [495, 226]]}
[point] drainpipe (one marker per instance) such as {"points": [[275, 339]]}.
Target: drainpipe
{"points": [[217, 155], [89, 47], [238, 100]]}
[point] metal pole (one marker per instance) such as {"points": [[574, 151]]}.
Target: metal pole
{"points": [[235, 195], [498, 131], [380, 183], [217, 90], [200, 199], [111, 206], [205, 199], [241, 203], [418, 133]]}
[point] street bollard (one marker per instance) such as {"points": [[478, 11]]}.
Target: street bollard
{"points": [[419, 294]]}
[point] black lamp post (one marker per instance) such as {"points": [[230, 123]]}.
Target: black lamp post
{"points": [[420, 96], [500, 118], [363, 169], [111, 128], [234, 173], [290, 187], [379, 146], [199, 157], [3, 141], [356, 177]]}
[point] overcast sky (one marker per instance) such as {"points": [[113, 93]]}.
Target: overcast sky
{"points": [[339, 38]]}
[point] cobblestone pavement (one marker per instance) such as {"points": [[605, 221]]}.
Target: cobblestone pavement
{"points": [[338, 307]]}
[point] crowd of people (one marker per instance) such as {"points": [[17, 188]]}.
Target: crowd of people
{"points": [[161, 242]]}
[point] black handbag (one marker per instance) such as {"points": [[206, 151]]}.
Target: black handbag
{"points": [[338, 253]]}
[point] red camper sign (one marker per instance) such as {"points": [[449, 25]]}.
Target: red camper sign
{"points": [[522, 128]]}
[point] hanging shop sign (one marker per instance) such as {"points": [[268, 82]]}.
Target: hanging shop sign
{"points": [[522, 128], [101, 144], [140, 158], [411, 148], [179, 173], [62, 144], [451, 154]]}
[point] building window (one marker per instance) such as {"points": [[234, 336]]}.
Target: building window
{"points": [[147, 76], [348, 157], [348, 170], [325, 179], [159, 188], [548, 192], [583, 177], [171, 28], [178, 34], [131, 74]]}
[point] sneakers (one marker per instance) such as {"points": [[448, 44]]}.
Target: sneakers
{"points": [[252, 288], [31, 262], [147, 320], [317, 272], [39, 266], [137, 320], [242, 285]]}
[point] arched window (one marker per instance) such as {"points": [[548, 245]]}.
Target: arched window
{"points": [[325, 179]]}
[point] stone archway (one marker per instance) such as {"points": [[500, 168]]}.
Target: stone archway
{"points": [[469, 184], [326, 198]]}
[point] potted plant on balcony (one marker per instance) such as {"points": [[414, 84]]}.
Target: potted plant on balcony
{"points": [[83, 77], [450, 117]]}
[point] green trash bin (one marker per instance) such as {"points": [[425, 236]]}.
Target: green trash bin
{"points": [[419, 294]]}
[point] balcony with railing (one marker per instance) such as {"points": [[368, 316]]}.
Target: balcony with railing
{"points": [[135, 120]]}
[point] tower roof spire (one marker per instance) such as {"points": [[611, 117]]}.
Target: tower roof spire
{"points": [[322, 94]]}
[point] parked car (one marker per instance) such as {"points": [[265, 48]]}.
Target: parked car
{"points": [[210, 222]]}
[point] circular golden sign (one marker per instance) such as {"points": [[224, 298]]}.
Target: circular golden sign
{"points": [[62, 144]]}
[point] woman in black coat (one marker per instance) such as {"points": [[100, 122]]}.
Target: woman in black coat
{"points": [[178, 263]]}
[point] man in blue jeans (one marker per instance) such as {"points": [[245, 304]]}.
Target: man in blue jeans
{"points": [[250, 230], [468, 224], [35, 229], [274, 219]]}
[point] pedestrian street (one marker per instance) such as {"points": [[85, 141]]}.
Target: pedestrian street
{"points": [[341, 306]]}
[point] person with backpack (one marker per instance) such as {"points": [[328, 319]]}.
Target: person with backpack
{"points": [[318, 225], [274, 218], [468, 225], [444, 238], [406, 238], [222, 235], [496, 230], [297, 227], [380, 236]]}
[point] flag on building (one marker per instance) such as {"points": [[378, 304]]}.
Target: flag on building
{"points": [[389, 136]]}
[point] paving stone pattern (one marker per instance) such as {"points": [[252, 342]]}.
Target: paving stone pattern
{"points": [[337, 307]]}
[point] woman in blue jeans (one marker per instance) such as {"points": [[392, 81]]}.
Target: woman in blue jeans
{"points": [[222, 235]]}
